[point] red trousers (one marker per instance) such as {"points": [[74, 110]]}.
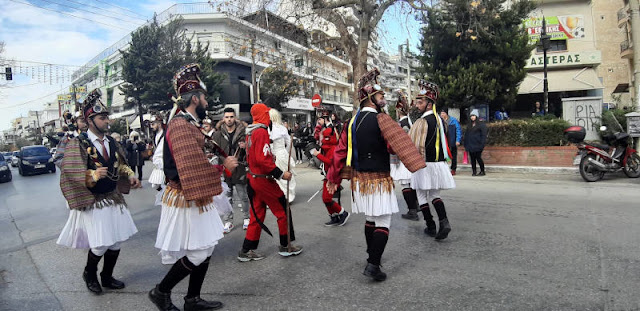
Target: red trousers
{"points": [[327, 198], [264, 192]]}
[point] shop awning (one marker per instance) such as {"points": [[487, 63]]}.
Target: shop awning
{"points": [[561, 81], [135, 124], [347, 108]]}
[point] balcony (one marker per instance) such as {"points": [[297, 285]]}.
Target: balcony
{"points": [[626, 49], [623, 16]]}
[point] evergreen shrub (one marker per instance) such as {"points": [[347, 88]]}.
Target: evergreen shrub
{"points": [[527, 133]]}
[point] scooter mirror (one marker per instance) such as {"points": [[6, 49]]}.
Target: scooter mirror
{"points": [[603, 128]]}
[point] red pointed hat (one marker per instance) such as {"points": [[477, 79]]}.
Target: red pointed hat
{"points": [[260, 114], [187, 79]]}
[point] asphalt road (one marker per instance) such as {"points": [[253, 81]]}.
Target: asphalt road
{"points": [[519, 242]]}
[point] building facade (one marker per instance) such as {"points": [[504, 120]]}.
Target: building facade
{"points": [[582, 60], [244, 46]]}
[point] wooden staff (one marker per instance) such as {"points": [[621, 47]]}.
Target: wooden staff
{"points": [[288, 208]]}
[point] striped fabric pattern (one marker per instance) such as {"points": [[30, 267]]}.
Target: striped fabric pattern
{"points": [[199, 180], [72, 177], [400, 142]]}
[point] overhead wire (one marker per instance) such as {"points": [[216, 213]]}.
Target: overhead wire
{"points": [[106, 10], [33, 100], [69, 14], [123, 8], [91, 12]]}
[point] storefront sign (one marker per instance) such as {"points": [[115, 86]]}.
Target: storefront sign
{"points": [[633, 124], [565, 59], [558, 27], [299, 104]]}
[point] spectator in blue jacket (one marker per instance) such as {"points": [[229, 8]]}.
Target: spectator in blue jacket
{"points": [[454, 136], [501, 115]]}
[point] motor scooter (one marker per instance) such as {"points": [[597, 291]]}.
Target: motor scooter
{"points": [[594, 160]]}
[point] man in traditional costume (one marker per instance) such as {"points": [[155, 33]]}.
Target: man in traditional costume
{"points": [[156, 179], [399, 172], [190, 225], [429, 136], [263, 190], [94, 168], [364, 148], [329, 140]]}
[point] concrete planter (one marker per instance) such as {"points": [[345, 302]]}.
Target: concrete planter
{"points": [[555, 156]]}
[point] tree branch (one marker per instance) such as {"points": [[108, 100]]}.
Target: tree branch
{"points": [[323, 4], [412, 4], [380, 11]]}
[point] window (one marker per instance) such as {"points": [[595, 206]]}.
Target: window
{"points": [[554, 46]]}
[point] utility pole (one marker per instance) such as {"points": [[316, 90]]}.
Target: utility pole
{"points": [[253, 67], [634, 12], [545, 40]]}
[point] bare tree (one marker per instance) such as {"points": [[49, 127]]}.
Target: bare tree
{"points": [[348, 25]]}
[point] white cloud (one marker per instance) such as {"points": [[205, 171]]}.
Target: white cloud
{"points": [[34, 34]]}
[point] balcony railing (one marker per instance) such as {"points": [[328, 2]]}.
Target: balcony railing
{"points": [[625, 45], [622, 14]]}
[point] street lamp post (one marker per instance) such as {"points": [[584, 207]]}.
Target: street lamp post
{"points": [[258, 81], [248, 84], [545, 40]]}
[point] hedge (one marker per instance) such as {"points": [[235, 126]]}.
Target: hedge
{"points": [[527, 133]]}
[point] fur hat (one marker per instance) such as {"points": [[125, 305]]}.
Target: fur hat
{"points": [[187, 79], [93, 106], [368, 85], [428, 90]]}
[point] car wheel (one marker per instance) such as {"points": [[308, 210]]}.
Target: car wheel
{"points": [[53, 170], [20, 171]]}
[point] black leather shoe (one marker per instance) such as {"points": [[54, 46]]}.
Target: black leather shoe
{"points": [[411, 215], [482, 173], [162, 300], [110, 282], [197, 303], [374, 272], [430, 230], [444, 230], [92, 282]]}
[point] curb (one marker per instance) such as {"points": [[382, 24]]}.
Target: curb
{"points": [[524, 169]]}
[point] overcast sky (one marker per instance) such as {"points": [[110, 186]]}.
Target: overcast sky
{"points": [[71, 32]]}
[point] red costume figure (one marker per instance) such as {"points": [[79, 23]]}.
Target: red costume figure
{"points": [[329, 142], [263, 189]]}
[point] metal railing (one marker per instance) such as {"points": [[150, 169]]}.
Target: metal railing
{"points": [[625, 45], [622, 14]]}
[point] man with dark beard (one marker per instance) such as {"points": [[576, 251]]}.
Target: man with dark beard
{"points": [[364, 148], [190, 225]]}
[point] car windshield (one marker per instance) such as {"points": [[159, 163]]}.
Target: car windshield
{"points": [[15, 153], [34, 152]]}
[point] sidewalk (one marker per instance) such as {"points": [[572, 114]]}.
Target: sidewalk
{"points": [[523, 169]]}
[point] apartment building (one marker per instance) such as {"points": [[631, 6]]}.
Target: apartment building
{"points": [[244, 45]]}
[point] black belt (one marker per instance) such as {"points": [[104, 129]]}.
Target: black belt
{"points": [[261, 175]]}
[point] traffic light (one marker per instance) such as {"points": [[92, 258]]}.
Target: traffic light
{"points": [[8, 74]]}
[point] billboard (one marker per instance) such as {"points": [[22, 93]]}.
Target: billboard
{"points": [[565, 27]]}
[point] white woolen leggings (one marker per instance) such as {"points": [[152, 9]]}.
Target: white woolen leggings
{"points": [[99, 251]]}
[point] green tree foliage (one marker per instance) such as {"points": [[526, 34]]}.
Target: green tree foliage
{"points": [[155, 54], [476, 51], [118, 126], [277, 85]]}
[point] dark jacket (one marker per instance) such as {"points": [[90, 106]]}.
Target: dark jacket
{"points": [[134, 153], [475, 137], [238, 176]]}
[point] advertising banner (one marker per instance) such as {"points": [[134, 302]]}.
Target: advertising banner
{"points": [[565, 27]]}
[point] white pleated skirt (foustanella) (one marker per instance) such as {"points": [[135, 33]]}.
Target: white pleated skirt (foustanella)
{"points": [[373, 194], [187, 229], [436, 175]]}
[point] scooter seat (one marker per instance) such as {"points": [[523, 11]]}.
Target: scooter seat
{"points": [[600, 146]]}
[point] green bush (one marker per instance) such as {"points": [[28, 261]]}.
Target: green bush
{"points": [[610, 123], [527, 133]]}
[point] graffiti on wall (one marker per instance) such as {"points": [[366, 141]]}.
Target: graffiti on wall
{"points": [[587, 115]]}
